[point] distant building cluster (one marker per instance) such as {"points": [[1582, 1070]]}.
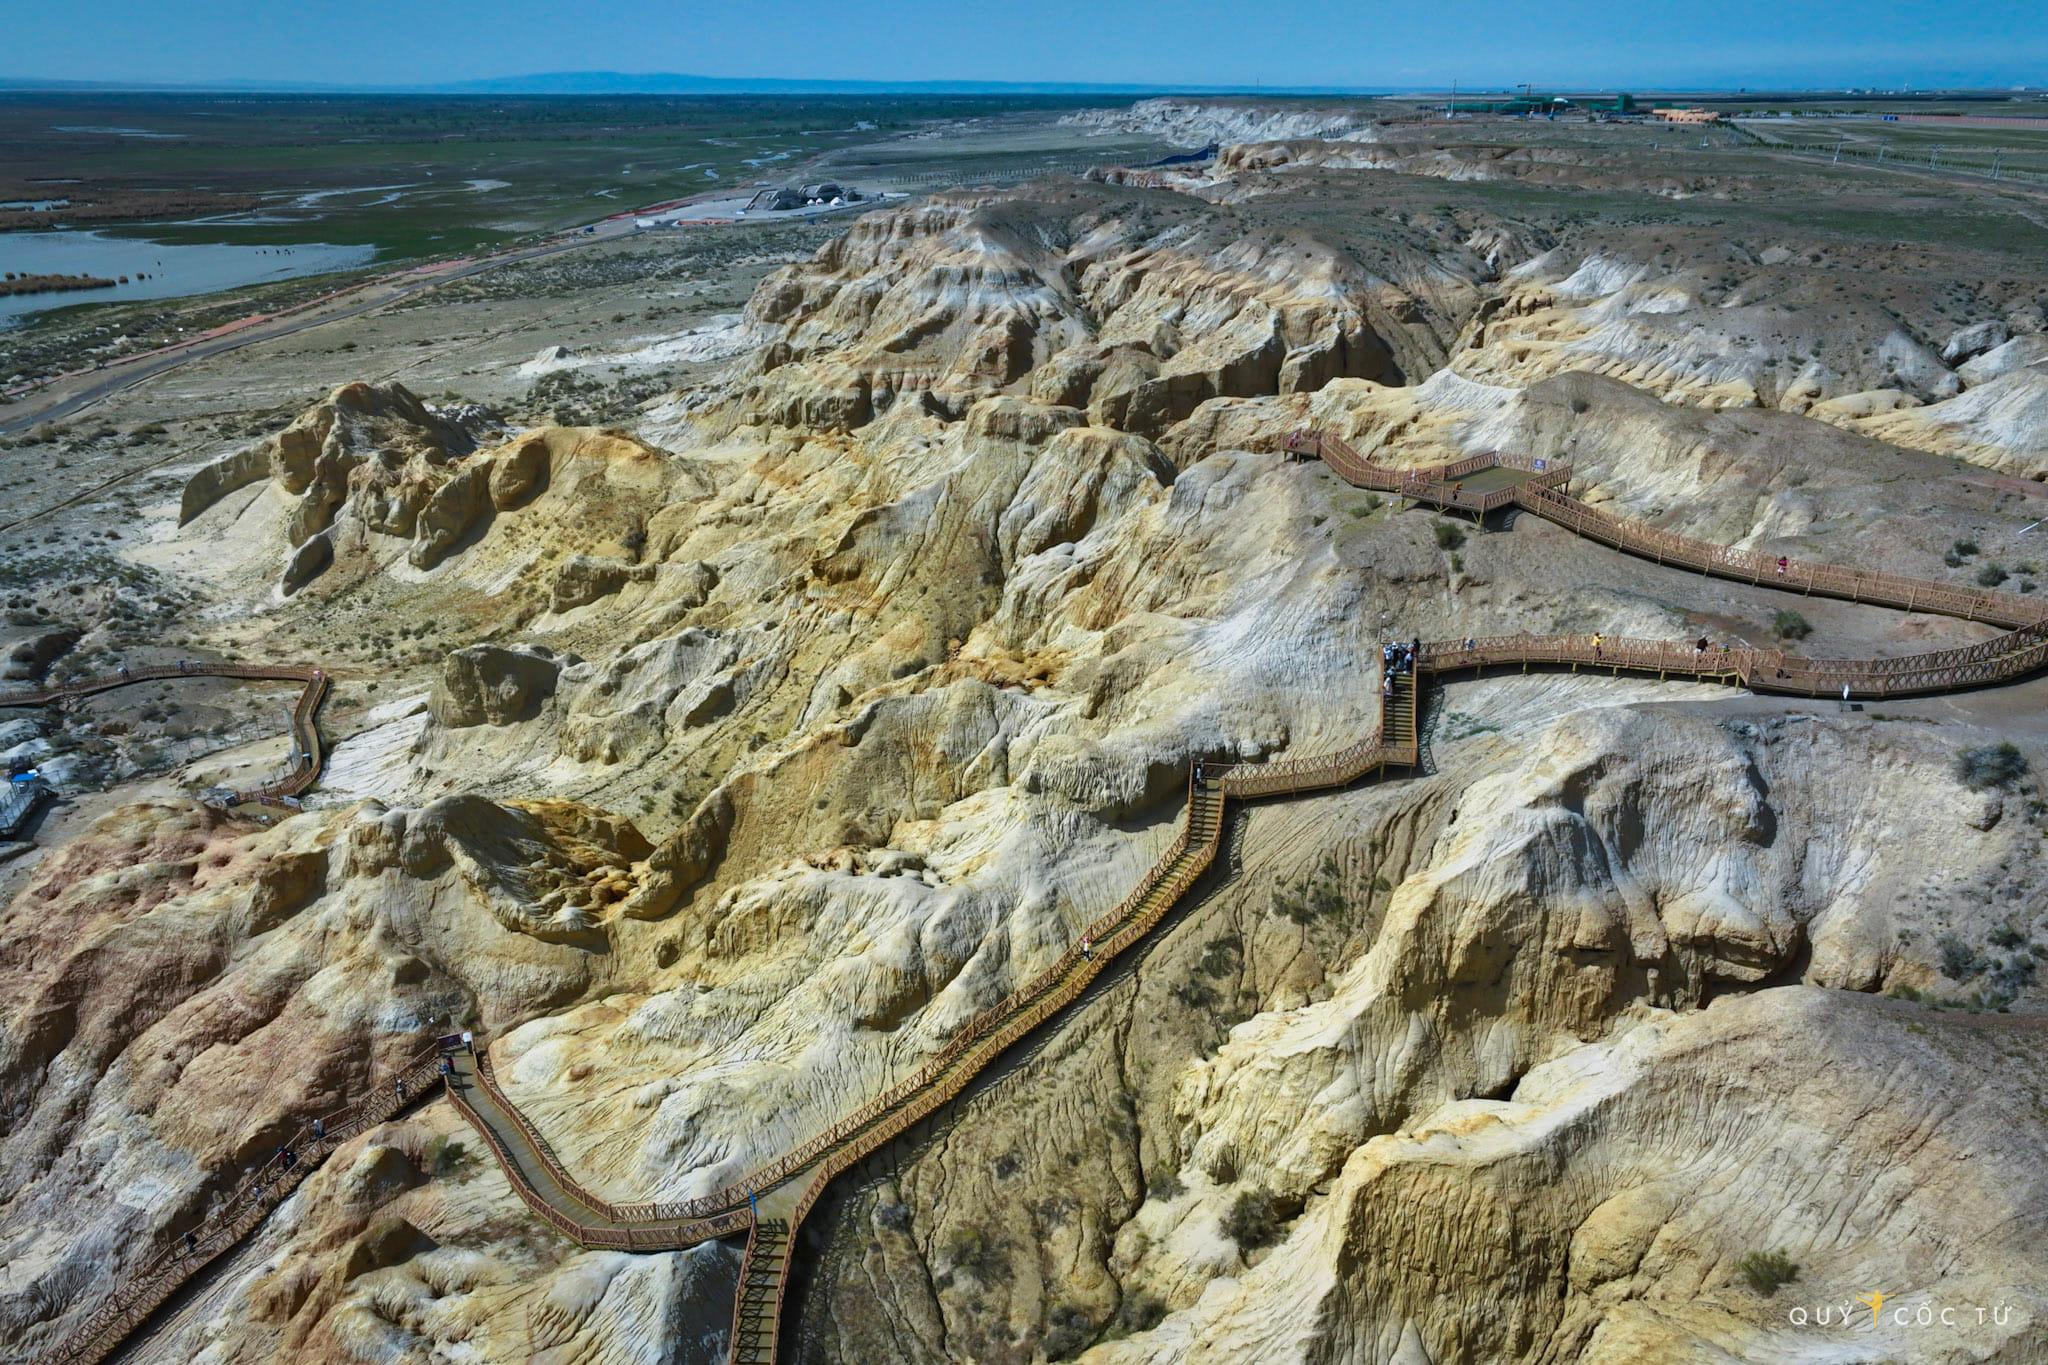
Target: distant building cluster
{"points": [[1618, 108]]}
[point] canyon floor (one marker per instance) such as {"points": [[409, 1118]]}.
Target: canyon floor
{"points": [[759, 650]]}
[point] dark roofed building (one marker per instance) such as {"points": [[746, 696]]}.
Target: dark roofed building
{"points": [[775, 199], [825, 191]]}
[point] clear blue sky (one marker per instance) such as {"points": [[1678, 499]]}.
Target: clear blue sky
{"points": [[1422, 43]]}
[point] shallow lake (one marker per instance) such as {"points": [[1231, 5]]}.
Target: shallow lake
{"points": [[174, 271]]}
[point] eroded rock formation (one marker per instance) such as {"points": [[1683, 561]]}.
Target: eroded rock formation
{"points": [[777, 740]]}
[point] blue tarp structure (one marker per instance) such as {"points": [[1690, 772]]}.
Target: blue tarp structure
{"points": [[20, 801]]}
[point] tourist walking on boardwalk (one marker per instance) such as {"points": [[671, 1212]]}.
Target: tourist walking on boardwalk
{"points": [[1414, 652], [1087, 948], [1782, 563], [1699, 651], [1596, 648]]}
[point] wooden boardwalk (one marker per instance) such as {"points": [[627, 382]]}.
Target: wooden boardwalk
{"points": [[308, 754]]}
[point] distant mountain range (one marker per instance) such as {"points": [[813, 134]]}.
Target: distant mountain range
{"points": [[682, 83], [677, 83]]}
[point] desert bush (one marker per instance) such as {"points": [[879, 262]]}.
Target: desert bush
{"points": [[1991, 575], [1790, 625], [1964, 547], [1068, 1330], [442, 1155], [1767, 1271], [1254, 1220], [2010, 978], [1164, 1182], [1220, 957], [974, 1251], [1959, 961], [1990, 765], [1448, 536], [1141, 1312]]}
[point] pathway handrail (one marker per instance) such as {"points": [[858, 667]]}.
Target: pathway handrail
{"points": [[311, 753], [259, 1192], [2023, 649]]}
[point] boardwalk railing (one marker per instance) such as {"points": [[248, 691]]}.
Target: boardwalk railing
{"points": [[236, 1216], [2021, 651], [310, 755]]}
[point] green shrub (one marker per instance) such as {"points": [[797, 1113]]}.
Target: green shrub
{"points": [[1952, 559], [1254, 1220], [1164, 1182], [1990, 765], [1141, 1312], [1965, 547], [972, 1250], [442, 1155], [1790, 625], [1068, 1331], [1767, 1271], [1959, 961], [1220, 957], [1991, 575], [1448, 536]]}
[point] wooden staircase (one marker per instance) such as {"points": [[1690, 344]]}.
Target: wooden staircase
{"points": [[757, 1309], [1397, 712]]}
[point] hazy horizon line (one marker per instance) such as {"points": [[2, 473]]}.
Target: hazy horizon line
{"points": [[603, 82]]}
